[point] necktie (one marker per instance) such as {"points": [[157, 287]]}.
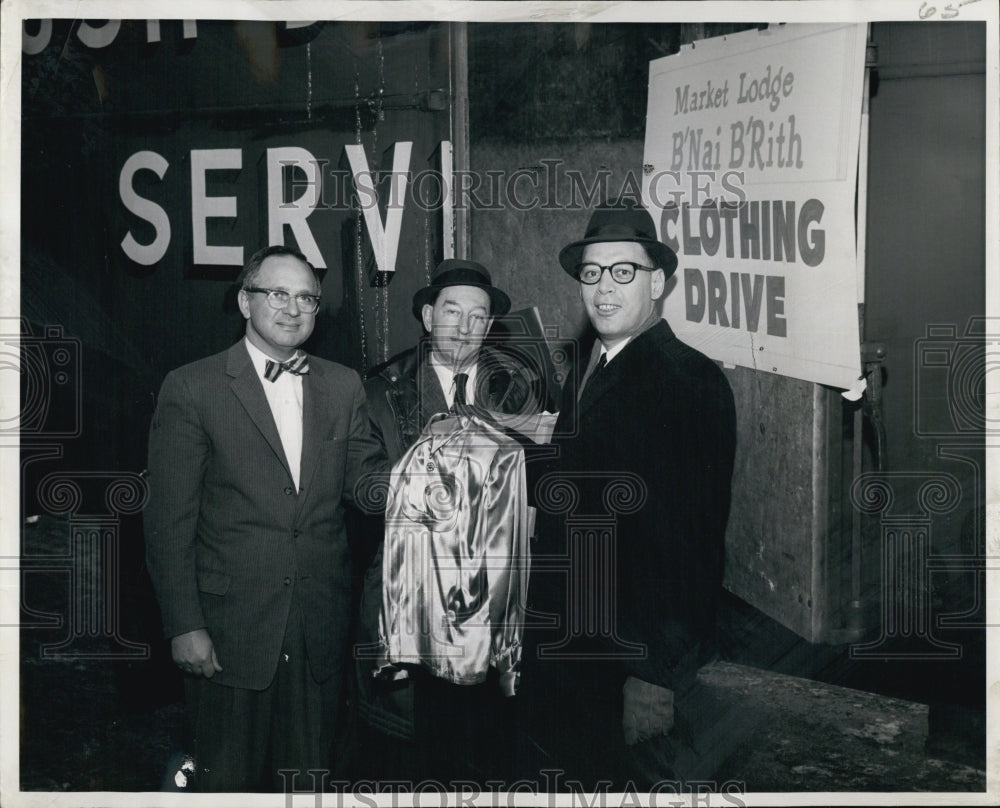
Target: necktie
{"points": [[298, 364], [597, 369], [460, 380]]}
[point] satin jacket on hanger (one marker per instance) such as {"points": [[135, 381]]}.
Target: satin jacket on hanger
{"points": [[456, 556]]}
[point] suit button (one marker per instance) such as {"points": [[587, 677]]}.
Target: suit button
{"points": [[288, 581], [289, 490], [296, 534]]}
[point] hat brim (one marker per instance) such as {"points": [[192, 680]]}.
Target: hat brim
{"points": [[499, 302], [659, 253]]}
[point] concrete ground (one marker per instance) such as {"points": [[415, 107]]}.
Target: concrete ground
{"points": [[783, 733], [93, 722], [769, 732]]}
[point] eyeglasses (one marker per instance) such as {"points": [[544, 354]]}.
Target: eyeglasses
{"points": [[278, 299], [621, 272]]}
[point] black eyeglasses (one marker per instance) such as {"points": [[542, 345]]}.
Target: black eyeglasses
{"points": [[278, 299], [621, 272]]}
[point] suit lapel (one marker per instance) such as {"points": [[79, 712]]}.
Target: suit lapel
{"points": [[246, 384], [316, 401]]}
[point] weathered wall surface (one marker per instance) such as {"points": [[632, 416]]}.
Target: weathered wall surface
{"points": [[558, 113], [565, 129], [521, 247], [771, 544]]}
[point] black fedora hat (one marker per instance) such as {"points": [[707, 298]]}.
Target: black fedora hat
{"points": [[456, 272], [620, 221]]}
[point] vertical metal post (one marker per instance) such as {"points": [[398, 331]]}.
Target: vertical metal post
{"points": [[862, 223], [460, 130], [819, 611], [855, 615]]}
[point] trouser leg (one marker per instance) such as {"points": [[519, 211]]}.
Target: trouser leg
{"points": [[244, 739], [304, 719], [463, 732], [230, 736]]}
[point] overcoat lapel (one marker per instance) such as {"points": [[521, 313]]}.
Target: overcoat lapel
{"points": [[432, 398], [246, 385], [627, 364], [598, 385], [494, 383], [566, 420]]}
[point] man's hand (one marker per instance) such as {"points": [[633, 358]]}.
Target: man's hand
{"points": [[649, 710], [194, 653]]}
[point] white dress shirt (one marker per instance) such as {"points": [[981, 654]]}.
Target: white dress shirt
{"points": [[613, 352], [597, 353], [284, 395], [446, 375]]}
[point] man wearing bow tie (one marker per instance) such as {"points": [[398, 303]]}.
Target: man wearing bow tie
{"points": [[251, 453]]}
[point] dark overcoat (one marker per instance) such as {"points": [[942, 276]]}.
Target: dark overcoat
{"points": [[627, 568]]}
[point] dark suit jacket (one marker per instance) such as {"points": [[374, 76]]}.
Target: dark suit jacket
{"points": [[228, 536], [660, 419]]}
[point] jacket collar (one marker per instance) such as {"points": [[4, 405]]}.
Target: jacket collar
{"points": [[611, 377], [653, 318], [248, 388]]}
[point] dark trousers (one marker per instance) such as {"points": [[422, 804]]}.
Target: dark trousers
{"points": [[570, 729], [259, 740], [571, 735], [382, 758], [463, 732]]}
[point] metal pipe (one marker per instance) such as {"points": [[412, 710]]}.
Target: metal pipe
{"points": [[861, 252], [855, 611], [460, 128], [397, 101]]}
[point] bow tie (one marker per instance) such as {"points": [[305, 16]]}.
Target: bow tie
{"points": [[298, 364]]}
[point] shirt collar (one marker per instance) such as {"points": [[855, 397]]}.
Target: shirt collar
{"points": [[648, 323], [446, 376], [611, 354]]}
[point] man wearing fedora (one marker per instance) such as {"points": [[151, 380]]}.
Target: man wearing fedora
{"points": [[646, 440], [419, 728]]}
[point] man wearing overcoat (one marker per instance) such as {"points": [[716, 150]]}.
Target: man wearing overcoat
{"points": [[632, 517]]}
